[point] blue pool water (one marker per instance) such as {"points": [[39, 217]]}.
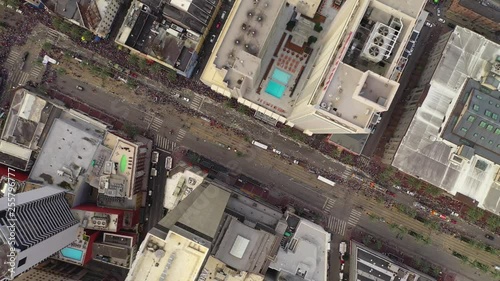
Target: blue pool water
{"points": [[281, 76], [72, 253], [275, 89]]}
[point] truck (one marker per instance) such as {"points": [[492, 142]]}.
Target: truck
{"points": [[260, 145]]}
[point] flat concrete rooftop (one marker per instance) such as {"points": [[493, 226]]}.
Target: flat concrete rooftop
{"points": [[173, 259]]}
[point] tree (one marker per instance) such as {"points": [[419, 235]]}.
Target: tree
{"points": [[47, 46], [130, 130], [311, 40], [87, 35], [143, 64], [156, 67], [474, 214], [75, 31], [64, 27], [171, 75], [433, 191], [318, 27], [14, 3], [493, 222], [133, 60]]}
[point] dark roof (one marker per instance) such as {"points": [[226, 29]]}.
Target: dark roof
{"points": [[353, 142], [479, 126], [140, 31], [14, 162]]}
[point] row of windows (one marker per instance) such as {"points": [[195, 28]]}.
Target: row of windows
{"points": [[497, 132]]}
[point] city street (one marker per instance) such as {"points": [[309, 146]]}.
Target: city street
{"points": [[285, 179], [342, 209]]}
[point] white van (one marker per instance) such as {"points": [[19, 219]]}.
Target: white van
{"points": [[154, 172], [223, 15]]}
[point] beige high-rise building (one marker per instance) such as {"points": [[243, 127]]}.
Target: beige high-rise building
{"points": [[333, 73]]}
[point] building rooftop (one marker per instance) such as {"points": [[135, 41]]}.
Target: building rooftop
{"points": [[368, 265], [215, 269], [170, 259], [306, 254], [97, 218], [307, 7], [82, 244], [180, 185], [424, 154], [117, 173], [242, 247], [67, 152], [293, 77], [253, 212], [162, 39], [113, 254]]}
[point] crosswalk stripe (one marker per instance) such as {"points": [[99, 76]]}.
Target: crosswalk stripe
{"points": [[347, 172], [24, 78], [181, 135], [329, 203], [13, 58], [354, 217], [36, 70], [164, 143], [197, 101], [336, 225]]}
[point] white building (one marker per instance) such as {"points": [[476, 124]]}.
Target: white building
{"points": [[337, 85], [451, 138]]}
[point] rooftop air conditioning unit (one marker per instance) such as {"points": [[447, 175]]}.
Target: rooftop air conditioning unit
{"points": [[323, 105]]}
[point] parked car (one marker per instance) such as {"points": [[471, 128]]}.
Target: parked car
{"points": [[441, 20], [150, 193], [489, 237], [428, 24], [276, 151], [212, 38], [410, 193], [295, 161], [186, 99], [218, 25], [438, 12], [79, 87], [223, 15]]}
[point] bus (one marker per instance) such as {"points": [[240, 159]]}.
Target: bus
{"points": [[258, 144], [327, 181]]}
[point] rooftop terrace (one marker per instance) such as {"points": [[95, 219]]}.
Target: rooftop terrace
{"points": [[216, 269]]}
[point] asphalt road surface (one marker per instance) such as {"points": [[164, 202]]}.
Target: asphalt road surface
{"points": [[336, 203]]}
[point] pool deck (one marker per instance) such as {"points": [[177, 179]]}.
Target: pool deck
{"points": [[291, 56]]}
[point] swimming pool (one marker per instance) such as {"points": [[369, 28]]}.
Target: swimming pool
{"points": [[281, 76], [72, 253], [275, 89]]}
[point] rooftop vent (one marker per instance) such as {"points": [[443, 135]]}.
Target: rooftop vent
{"points": [[374, 51], [260, 18], [379, 41], [384, 30], [237, 42], [244, 26], [250, 14]]}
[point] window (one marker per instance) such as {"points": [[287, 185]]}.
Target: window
{"points": [[487, 113], [21, 262], [475, 107], [490, 142], [482, 138], [489, 127], [482, 124], [471, 118], [497, 131], [464, 129], [475, 134], [494, 116]]}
